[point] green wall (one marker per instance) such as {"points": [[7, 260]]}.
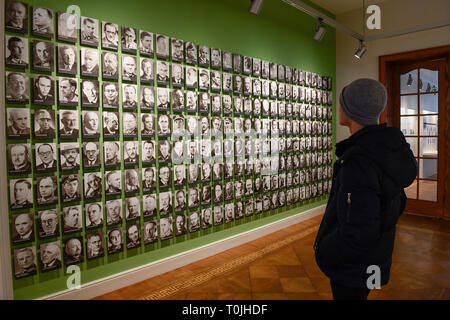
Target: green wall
{"points": [[280, 34]]}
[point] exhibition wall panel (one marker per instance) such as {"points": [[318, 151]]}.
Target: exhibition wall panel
{"points": [[113, 163]]}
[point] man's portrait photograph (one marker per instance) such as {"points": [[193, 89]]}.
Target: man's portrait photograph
{"points": [[68, 92], [115, 240], [110, 65], [67, 58], [150, 232], [89, 31], [17, 88], [147, 98], [89, 62], [111, 153], [166, 228], [177, 50], [71, 188], [46, 190], [93, 215], [162, 46], [42, 22], [133, 236], [90, 93], [162, 72], [180, 200], [129, 40], [91, 124], [16, 16], [146, 43], [18, 123], [203, 56], [73, 251], [164, 125], [129, 96], [25, 262], [113, 182], [67, 27], [111, 124], [19, 158], [130, 152], [165, 203], [164, 177], [110, 35], [68, 124], [247, 67], [216, 58], [180, 224], [146, 68], [21, 193], [148, 178], [95, 247], [50, 255], [16, 52], [48, 223], [93, 182], [129, 68], [237, 63], [43, 90], [43, 56], [110, 95], [22, 226], [191, 53], [113, 212]]}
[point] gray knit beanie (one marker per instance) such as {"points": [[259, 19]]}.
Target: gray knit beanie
{"points": [[363, 100]]}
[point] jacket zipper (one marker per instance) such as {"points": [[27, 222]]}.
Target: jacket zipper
{"points": [[349, 203]]}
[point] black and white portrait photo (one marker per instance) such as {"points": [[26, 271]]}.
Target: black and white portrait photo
{"points": [[247, 69], [90, 93], [67, 59], [67, 27], [162, 73], [177, 75], [148, 178], [72, 219], [110, 35], [18, 123], [180, 225], [129, 68], [148, 151], [16, 52], [115, 240], [273, 71], [180, 200], [207, 219], [17, 88], [178, 125], [71, 188], [95, 246], [147, 125], [204, 102], [89, 31], [146, 43], [178, 100], [93, 182], [218, 215], [129, 96], [164, 125], [110, 95], [73, 252], [48, 223], [179, 177], [227, 84], [22, 226], [149, 205], [93, 215], [265, 67], [247, 86], [113, 212], [216, 81], [147, 75], [68, 92], [229, 212], [45, 159], [68, 124], [129, 40], [130, 124], [110, 65], [191, 53], [47, 190], [150, 232], [133, 236], [21, 193], [132, 208], [70, 155], [42, 22], [113, 182], [89, 62], [130, 152], [227, 61], [50, 255], [203, 56], [43, 90], [177, 50], [91, 124], [281, 73], [166, 228], [164, 177], [237, 63], [193, 196], [237, 84], [43, 56], [162, 46], [16, 16], [165, 203], [256, 67], [147, 98], [194, 221], [191, 77], [216, 58]]}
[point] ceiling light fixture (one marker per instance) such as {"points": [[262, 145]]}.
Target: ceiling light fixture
{"points": [[256, 6], [320, 30], [361, 50]]}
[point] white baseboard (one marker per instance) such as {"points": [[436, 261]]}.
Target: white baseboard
{"points": [[129, 277]]}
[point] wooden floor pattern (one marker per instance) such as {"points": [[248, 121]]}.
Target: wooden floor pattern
{"points": [[282, 266]]}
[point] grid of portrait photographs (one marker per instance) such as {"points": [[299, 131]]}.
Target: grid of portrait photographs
{"points": [[183, 138]]}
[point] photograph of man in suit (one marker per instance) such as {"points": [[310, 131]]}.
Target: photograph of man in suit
{"points": [[148, 124], [165, 203], [110, 37], [49, 223], [148, 151], [43, 56], [91, 154], [67, 59], [93, 185], [147, 70], [133, 236], [129, 68], [146, 44], [114, 182], [113, 212], [25, 262], [23, 227], [89, 31], [69, 121], [177, 75], [44, 91], [130, 150], [47, 190], [149, 181], [89, 62], [19, 122], [70, 156], [147, 98], [164, 177], [180, 224], [111, 124], [149, 202], [71, 188], [18, 52], [17, 87], [51, 256], [68, 91], [73, 252], [95, 246], [16, 16], [115, 241], [133, 208], [150, 232], [180, 200], [19, 158], [21, 195]]}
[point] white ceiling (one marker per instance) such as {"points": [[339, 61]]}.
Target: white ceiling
{"points": [[341, 6]]}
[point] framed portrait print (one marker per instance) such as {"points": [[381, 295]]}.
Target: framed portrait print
{"points": [[146, 43], [16, 52], [42, 23], [16, 16], [67, 27], [89, 31], [110, 35]]}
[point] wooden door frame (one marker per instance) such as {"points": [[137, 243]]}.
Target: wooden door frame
{"points": [[386, 64]]}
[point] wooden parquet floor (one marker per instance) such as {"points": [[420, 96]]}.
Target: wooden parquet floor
{"points": [[282, 266]]}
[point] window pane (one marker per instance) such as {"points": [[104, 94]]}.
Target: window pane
{"points": [[429, 126], [429, 79], [428, 169], [408, 104], [428, 190], [411, 191], [413, 145], [408, 82], [408, 125], [429, 103], [429, 147]]}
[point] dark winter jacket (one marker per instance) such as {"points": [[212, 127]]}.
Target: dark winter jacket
{"points": [[366, 200]]}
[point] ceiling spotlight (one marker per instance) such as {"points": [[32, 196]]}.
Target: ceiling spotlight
{"points": [[410, 80], [256, 6], [320, 30], [361, 50]]}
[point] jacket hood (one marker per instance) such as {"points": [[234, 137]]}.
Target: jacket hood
{"points": [[387, 147]]}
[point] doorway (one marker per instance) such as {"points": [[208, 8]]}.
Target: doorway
{"points": [[419, 104]]}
